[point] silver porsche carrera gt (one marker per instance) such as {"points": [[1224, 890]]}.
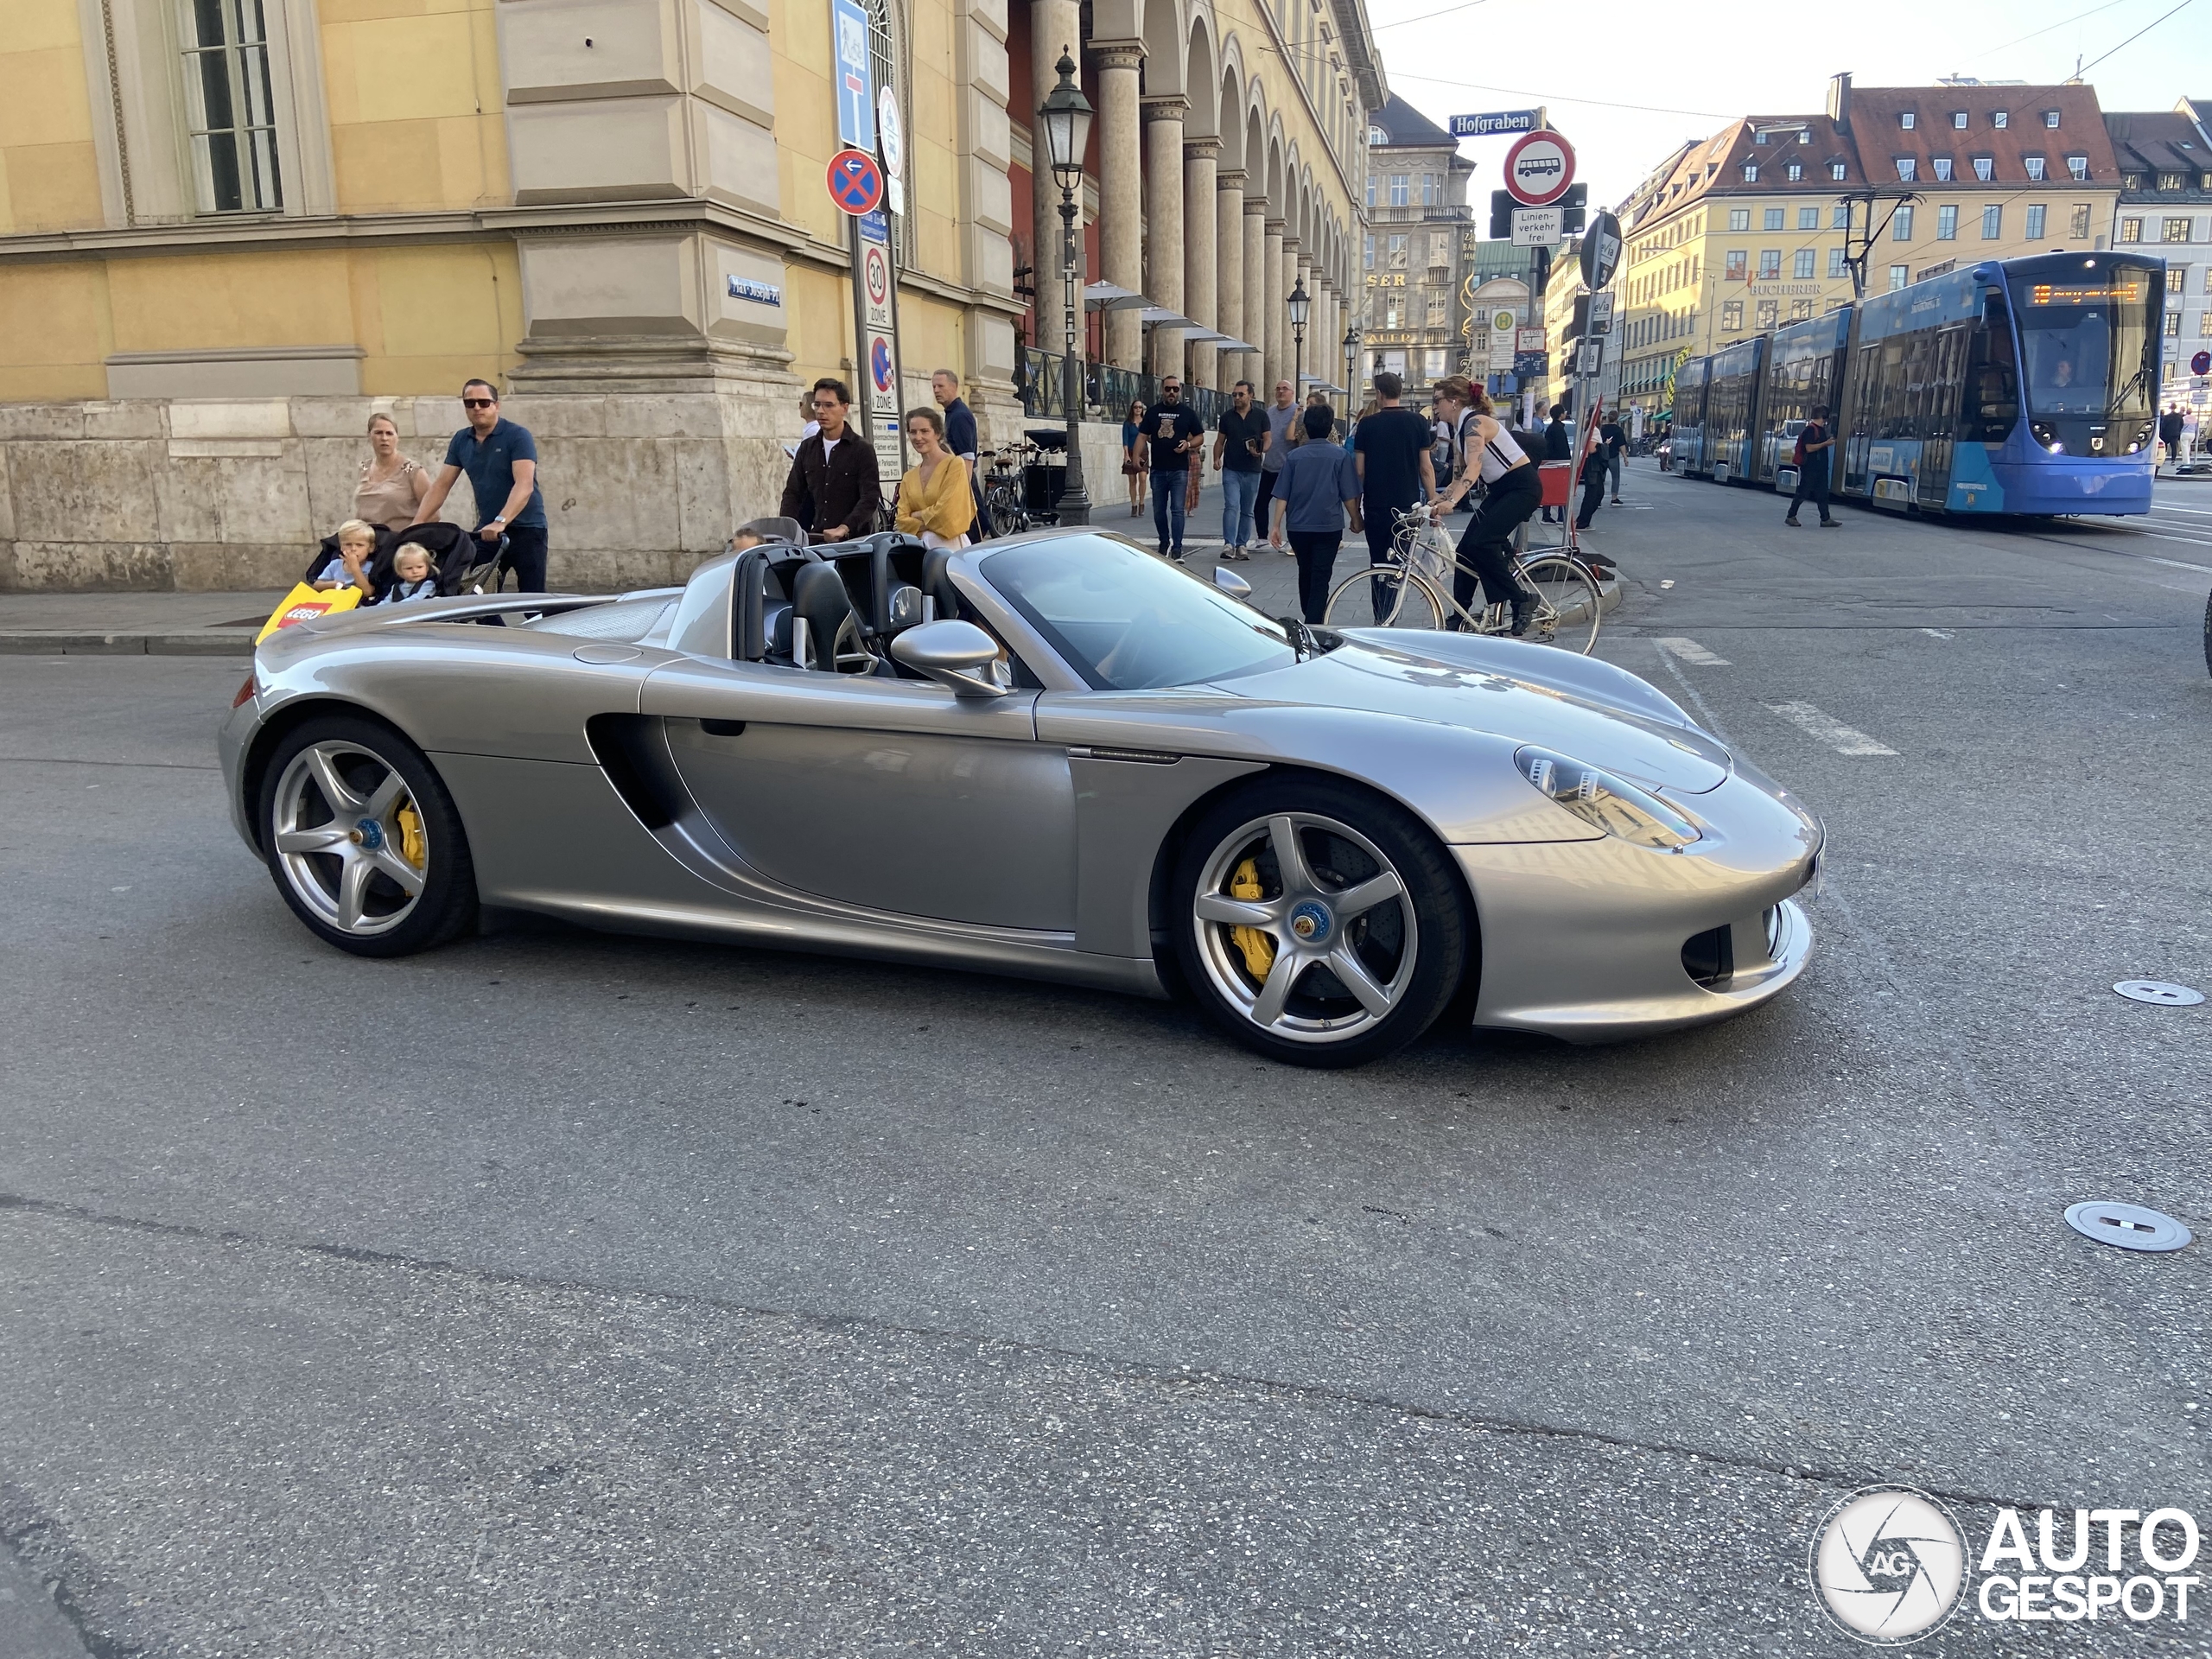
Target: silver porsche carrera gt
{"points": [[1053, 755]]}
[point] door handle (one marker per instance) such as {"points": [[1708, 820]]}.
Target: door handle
{"points": [[722, 728]]}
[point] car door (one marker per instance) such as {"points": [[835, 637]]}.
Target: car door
{"points": [[889, 795]]}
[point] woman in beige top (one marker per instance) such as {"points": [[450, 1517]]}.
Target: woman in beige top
{"points": [[391, 486]]}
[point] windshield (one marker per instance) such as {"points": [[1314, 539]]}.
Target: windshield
{"points": [[1126, 621], [2085, 346]]}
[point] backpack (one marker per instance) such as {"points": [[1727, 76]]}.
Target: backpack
{"points": [[1798, 454]]}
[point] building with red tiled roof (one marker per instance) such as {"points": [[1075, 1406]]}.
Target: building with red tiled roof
{"points": [[2165, 207], [1751, 227]]}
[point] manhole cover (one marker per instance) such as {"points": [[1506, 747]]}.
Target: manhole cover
{"points": [[2129, 1226], [2157, 990]]}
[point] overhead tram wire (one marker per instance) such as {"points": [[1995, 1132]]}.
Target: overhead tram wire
{"points": [[1465, 6], [2131, 39], [2047, 28], [1559, 98]]}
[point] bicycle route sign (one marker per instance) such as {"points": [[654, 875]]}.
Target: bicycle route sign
{"points": [[1539, 169], [855, 182]]}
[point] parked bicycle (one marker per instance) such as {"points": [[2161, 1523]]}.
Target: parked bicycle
{"points": [[1414, 591]]}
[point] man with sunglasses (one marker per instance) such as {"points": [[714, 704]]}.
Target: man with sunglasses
{"points": [[501, 461]]}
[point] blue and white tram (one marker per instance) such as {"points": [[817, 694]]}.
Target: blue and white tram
{"points": [[2022, 387]]}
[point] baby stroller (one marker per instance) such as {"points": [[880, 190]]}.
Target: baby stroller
{"points": [[465, 565]]}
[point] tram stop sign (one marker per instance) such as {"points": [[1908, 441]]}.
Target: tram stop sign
{"points": [[1601, 250]]}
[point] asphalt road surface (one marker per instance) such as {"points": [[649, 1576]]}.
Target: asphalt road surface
{"points": [[561, 1295]]}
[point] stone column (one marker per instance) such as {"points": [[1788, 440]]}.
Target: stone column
{"points": [[1200, 210], [1277, 342], [1163, 222], [1055, 26], [1256, 296], [1121, 194], [1228, 281]]}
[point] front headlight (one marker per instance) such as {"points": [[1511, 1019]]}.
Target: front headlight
{"points": [[1600, 799]]}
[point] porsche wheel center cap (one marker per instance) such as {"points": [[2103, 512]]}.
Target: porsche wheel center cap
{"points": [[368, 835], [1310, 922]]}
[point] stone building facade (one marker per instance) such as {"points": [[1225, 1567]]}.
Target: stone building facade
{"points": [[1413, 256], [230, 234]]}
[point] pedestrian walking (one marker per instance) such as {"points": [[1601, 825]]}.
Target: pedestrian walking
{"points": [[1593, 485], [834, 489], [1280, 415], [1559, 445], [1171, 434], [1511, 493], [1132, 469], [501, 461], [1815, 459], [1615, 444], [1318, 487], [391, 486], [1390, 453], [2170, 428], [1239, 445]]}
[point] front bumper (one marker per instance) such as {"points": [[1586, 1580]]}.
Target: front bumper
{"points": [[1584, 940]]}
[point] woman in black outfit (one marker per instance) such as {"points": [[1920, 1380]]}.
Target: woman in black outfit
{"points": [[1513, 492]]}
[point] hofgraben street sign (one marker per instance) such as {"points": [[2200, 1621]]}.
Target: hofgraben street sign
{"points": [[1482, 126]]}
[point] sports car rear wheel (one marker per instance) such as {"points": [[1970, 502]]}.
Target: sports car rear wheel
{"points": [[363, 840], [1319, 924]]}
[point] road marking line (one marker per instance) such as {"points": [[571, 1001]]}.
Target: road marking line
{"points": [[1690, 651], [1831, 731], [1939, 633]]}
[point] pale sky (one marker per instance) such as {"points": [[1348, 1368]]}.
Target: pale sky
{"points": [[1688, 68]]}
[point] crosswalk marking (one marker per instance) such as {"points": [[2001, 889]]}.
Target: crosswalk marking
{"points": [[1690, 651], [1828, 730]]}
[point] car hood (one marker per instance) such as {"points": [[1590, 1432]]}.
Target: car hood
{"points": [[1520, 706]]}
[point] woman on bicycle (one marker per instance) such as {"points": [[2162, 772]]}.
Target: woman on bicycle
{"points": [[1132, 469], [1513, 491]]}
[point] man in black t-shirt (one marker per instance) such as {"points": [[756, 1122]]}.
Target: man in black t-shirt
{"points": [[1815, 462], [1237, 449], [1390, 449], [1614, 442], [1173, 433]]}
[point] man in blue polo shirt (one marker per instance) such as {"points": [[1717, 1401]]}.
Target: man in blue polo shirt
{"points": [[501, 461]]}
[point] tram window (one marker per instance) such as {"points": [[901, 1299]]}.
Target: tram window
{"points": [[1992, 401]]}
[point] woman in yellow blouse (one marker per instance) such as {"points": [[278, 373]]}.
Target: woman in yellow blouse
{"points": [[934, 501]]}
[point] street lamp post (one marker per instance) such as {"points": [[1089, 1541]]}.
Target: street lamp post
{"points": [[1066, 114], [1300, 304], [1352, 362]]}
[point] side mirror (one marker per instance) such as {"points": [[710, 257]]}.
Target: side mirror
{"points": [[1231, 583], [956, 654]]}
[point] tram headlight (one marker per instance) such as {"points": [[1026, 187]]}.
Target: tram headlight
{"points": [[2047, 436]]}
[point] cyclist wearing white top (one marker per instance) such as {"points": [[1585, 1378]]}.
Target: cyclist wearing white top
{"points": [[1513, 491]]}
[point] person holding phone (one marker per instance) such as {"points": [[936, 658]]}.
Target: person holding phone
{"points": [[1240, 443]]}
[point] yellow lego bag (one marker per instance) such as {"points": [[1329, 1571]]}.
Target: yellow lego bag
{"points": [[304, 603]]}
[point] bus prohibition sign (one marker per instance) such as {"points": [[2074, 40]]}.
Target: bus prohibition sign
{"points": [[855, 181], [1539, 169]]}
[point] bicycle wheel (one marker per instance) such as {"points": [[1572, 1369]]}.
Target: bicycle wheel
{"points": [[1566, 608], [1383, 596]]}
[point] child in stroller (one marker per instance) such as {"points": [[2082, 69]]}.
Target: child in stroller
{"points": [[344, 558]]}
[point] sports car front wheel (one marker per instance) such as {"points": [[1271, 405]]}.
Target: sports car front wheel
{"points": [[1319, 924], [363, 840]]}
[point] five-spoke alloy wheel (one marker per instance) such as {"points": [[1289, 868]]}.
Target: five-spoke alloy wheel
{"points": [[1319, 923], [363, 840]]}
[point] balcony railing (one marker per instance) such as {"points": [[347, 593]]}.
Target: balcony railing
{"points": [[1041, 380], [1442, 213]]}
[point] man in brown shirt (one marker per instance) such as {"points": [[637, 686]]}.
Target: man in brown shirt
{"points": [[834, 489]]}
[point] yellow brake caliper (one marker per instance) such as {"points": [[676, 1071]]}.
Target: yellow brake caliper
{"points": [[1259, 947], [411, 836]]}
